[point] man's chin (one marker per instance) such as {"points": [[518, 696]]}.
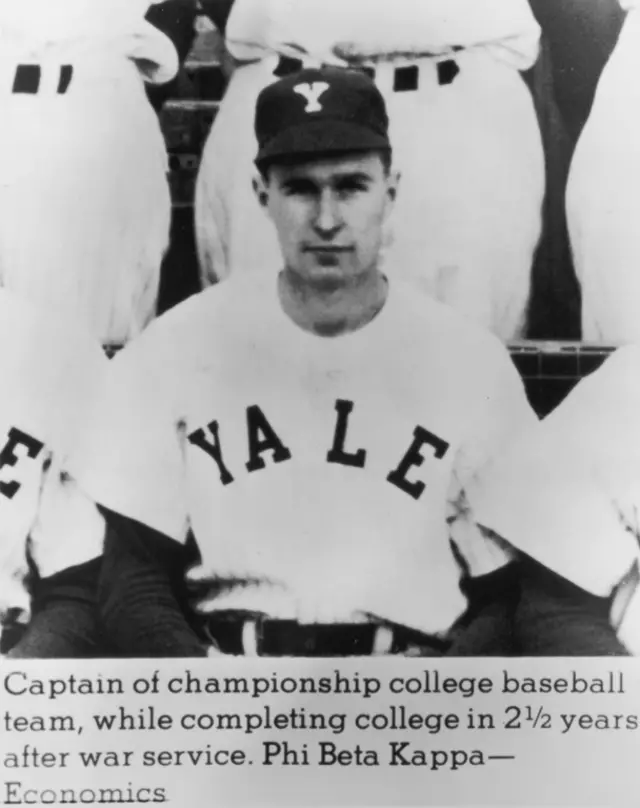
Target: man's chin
{"points": [[327, 282], [323, 278]]}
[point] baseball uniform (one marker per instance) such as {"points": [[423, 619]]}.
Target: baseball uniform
{"points": [[568, 493], [465, 135], [311, 440], [603, 196], [84, 199], [323, 478], [50, 370]]}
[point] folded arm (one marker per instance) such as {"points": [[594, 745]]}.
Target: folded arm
{"points": [[141, 592]]}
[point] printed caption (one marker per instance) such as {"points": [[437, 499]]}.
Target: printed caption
{"points": [[74, 738]]}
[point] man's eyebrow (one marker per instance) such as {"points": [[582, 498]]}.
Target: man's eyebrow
{"points": [[297, 179], [304, 180], [354, 176]]}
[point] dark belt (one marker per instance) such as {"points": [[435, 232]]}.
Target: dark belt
{"points": [[28, 77], [405, 79], [278, 638]]}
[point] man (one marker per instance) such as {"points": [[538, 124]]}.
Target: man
{"points": [[568, 495], [50, 534], [84, 199], [603, 196], [464, 129], [314, 431]]}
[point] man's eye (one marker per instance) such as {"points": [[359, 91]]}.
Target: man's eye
{"points": [[300, 188], [351, 186]]}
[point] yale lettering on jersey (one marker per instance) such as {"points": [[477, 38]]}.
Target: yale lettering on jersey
{"points": [[264, 443], [8, 457]]}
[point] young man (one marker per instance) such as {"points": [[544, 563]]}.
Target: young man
{"points": [[50, 534], [463, 125], [568, 495], [314, 429]]}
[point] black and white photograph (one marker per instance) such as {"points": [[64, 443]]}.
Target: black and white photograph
{"points": [[319, 328], [320, 402]]}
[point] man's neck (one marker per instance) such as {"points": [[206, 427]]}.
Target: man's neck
{"points": [[332, 310]]}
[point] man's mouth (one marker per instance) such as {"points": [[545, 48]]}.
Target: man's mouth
{"points": [[332, 249]]}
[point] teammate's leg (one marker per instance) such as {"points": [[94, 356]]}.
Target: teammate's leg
{"points": [[554, 617], [64, 622]]}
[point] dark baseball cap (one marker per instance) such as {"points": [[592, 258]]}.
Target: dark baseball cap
{"points": [[320, 111]]}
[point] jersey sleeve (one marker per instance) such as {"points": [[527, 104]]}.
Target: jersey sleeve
{"points": [[69, 529], [131, 462], [18, 513], [501, 414], [378, 27], [53, 379], [567, 492], [506, 27], [247, 31], [66, 529]]}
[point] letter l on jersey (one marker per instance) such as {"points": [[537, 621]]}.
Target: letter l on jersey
{"points": [[262, 438]]}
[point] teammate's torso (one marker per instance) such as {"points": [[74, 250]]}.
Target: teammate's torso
{"points": [[83, 32], [45, 376], [568, 492], [41, 18]]}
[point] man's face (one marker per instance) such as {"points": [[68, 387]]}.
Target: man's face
{"points": [[329, 215]]}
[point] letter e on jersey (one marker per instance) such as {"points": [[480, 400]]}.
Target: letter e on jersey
{"points": [[8, 457]]}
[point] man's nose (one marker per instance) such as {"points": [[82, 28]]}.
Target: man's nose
{"points": [[328, 218]]}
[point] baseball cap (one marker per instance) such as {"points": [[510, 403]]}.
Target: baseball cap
{"points": [[320, 110]]}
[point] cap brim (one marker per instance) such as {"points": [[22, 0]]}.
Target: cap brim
{"points": [[321, 137]]}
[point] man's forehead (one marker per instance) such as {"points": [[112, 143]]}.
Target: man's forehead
{"points": [[332, 165]]}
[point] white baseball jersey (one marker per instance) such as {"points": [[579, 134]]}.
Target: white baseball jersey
{"points": [[85, 206], [568, 492], [41, 29], [50, 371], [371, 27], [603, 196], [319, 475], [468, 215]]}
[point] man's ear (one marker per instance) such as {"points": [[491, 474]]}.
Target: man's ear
{"points": [[260, 190], [393, 182]]}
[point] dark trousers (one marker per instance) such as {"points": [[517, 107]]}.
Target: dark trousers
{"points": [[65, 623], [520, 610], [526, 610], [60, 632]]}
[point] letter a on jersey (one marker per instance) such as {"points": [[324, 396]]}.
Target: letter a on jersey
{"points": [[312, 92]]}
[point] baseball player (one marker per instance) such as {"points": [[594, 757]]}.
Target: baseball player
{"points": [[84, 199], [603, 196], [308, 436], [568, 494], [464, 129], [50, 534]]}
